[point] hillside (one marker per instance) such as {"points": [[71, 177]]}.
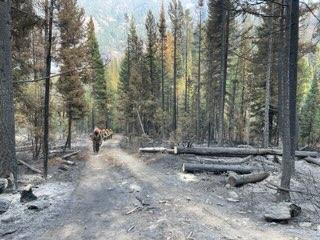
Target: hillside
{"points": [[110, 23]]}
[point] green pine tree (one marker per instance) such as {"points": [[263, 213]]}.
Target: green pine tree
{"points": [[309, 112], [98, 79], [71, 58]]}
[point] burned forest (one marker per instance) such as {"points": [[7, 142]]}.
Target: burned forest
{"points": [[164, 119]]}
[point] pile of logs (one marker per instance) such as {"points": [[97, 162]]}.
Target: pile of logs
{"points": [[239, 175]]}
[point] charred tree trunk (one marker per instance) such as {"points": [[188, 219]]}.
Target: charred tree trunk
{"points": [[266, 130], [193, 168], [198, 105], [68, 142], [186, 103], [289, 104], [224, 67], [174, 112], [281, 71], [8, 163], [48, 32], [162, 85], [232, 104]]}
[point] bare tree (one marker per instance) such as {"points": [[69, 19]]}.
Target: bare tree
{"points": [[8, 162]]}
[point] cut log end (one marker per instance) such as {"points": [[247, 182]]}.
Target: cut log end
{"points": [[232, 181]]}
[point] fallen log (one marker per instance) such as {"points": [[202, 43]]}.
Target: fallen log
{"points": [[60, 151], [239, 180], [24, 148], [227, 151], [239, 152], [312, 160], [69, 155], [30, 148], [30, 167], [193, 168], [223, 162], [157, 150]]}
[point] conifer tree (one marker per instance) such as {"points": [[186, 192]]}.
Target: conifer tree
{"points": [[198, 87], [152, 55], [154, 71], [163, 36], [176, 17], [71, 58], [163, 42], [135, 88], [309, 112], [98, 80], [213, 61], [187, 29]]}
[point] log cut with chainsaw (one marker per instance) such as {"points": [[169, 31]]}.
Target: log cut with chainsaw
{"points": [[194, 168]]}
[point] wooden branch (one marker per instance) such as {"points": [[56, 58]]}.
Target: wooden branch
{"points": [[312, 160], [30, 167], [276, 187], [193, 168]]}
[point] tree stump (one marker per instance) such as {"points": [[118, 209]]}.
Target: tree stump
{"points": [[27, 194]]}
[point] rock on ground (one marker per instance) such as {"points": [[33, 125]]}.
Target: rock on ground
{"points": [[38, 206], [283, 211]]}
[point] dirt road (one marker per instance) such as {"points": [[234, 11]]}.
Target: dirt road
{"points": [[120, 196]]}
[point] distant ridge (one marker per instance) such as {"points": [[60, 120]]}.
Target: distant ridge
{"points": [[110, 23]]}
